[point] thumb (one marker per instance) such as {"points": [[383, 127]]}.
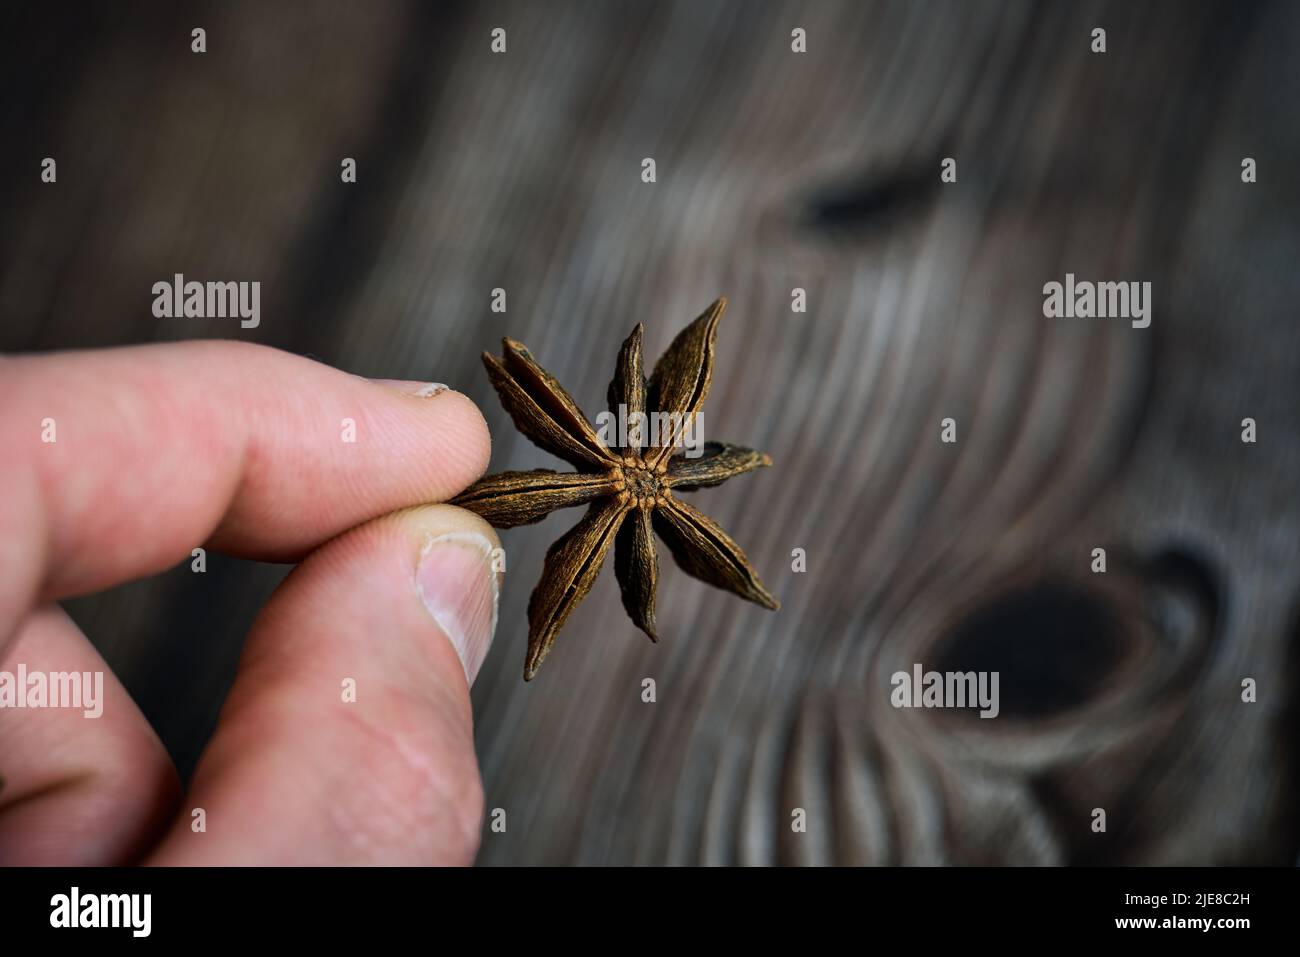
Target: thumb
{"points": [[348, 736]]}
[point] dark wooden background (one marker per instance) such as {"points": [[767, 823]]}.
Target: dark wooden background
{"points": [[775, 170]]}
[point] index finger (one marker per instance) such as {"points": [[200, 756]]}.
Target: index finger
{"points": [[117, 463]]}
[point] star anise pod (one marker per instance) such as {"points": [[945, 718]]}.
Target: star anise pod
{"points": [[631, 490]]}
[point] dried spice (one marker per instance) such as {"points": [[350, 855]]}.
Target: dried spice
{"points": [[631, 490]]}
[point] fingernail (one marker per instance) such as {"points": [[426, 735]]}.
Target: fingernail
{"points": [[422, 389], [459, 587]]}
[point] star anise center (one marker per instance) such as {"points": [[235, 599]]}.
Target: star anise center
{"points": [[643, 485]]}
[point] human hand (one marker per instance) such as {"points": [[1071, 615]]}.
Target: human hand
{"points": [[239, 448]]}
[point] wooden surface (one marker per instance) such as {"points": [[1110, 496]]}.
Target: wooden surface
{"points": [[775, 171]]}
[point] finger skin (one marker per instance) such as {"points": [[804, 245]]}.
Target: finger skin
{"points": [[78, 790], [297, 775], [160, 449]]}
